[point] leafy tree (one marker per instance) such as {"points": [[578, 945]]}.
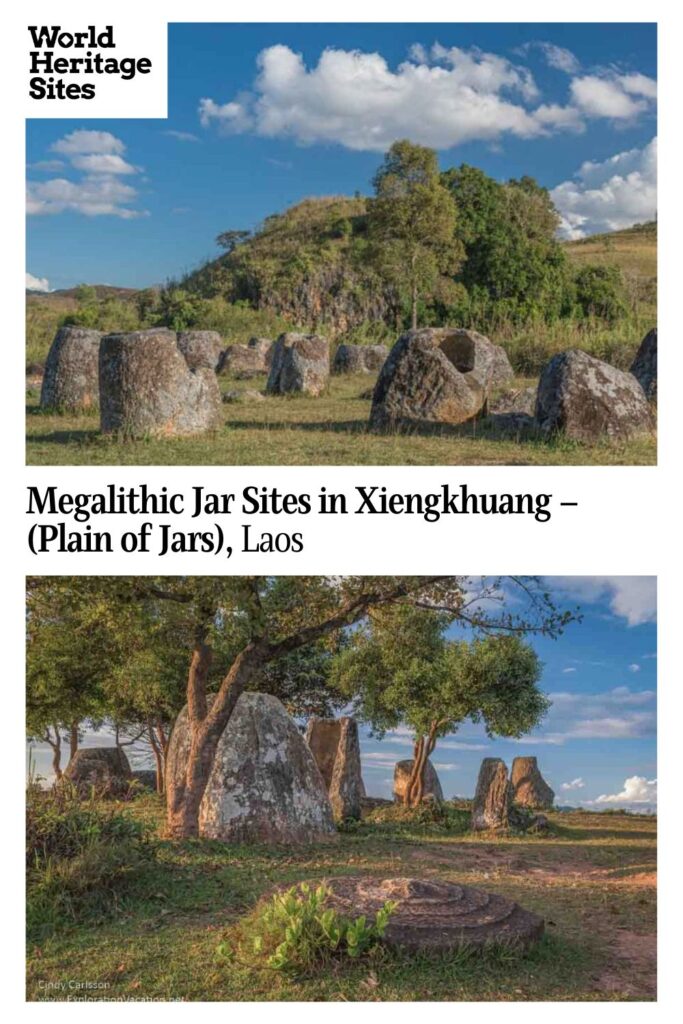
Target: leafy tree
{"points": [[404, 669], [512, 256], [412, 220], [179, 310], [600, 291], [237, 628]]}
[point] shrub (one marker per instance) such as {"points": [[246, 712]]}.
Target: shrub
{"points": [[79, 857], [296, 930], [600, 292]]}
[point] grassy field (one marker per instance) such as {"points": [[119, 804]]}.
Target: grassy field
{"points": [[634, 250], [332, 429], [291, 431], [592, 879]]}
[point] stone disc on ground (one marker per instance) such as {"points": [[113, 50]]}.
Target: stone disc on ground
{"points": [[420, 384], [71, 378], [264, 785], [147, 388], [586, 399], [434, 916]]}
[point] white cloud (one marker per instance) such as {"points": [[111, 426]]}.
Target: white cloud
{"points": [[610, 195], [574, 784], [566, 671], [181, 136], [92, 196], [612, 97], [441, 97], [88, 142], [634, 667], [557, 57], [445, 767], [37, 284], [633, 598], [617, 714], [637, 791], [97, 157], [102, 163]]}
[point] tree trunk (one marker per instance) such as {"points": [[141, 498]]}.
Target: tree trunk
{"points": [[183, 799], [56, 745], [158, 757], [413, 295], [424, 747], [73, 739]]}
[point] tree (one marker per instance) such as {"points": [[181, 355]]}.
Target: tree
{"points": [[238, 628], [412, 220], [513, 260], [403, 669], [229, 240]]}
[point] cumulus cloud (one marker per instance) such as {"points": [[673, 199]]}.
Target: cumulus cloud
{"points": [[98, 159], [92, 196], [37, 284], [102, 163], [574, 784], [633, 598], [634, 667], [638, 792], [439, 97], [609, 195], [88, 142]]}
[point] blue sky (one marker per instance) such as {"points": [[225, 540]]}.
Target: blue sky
{"points": [[263, 115], [599, 738]]}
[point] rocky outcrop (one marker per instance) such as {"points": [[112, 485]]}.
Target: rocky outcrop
{"points": [[586, 399], [264, 785], [336, 749], [102, 771], [250, 360], [492, 798], [529, 788], [420, 383], [359, 358], [71, 378], [432, 786], [300, 363], [434, 916], [201, 349], [644, 366], [147, 388]]}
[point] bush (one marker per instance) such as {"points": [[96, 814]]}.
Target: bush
{"points": [[79, 858], [296, 931], [600, 292]]}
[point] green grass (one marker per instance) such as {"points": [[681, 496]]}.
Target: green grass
{"points": [[330, 430], [591, 879]]}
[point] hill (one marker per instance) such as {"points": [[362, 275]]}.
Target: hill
{"points": [[634, 250]]}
